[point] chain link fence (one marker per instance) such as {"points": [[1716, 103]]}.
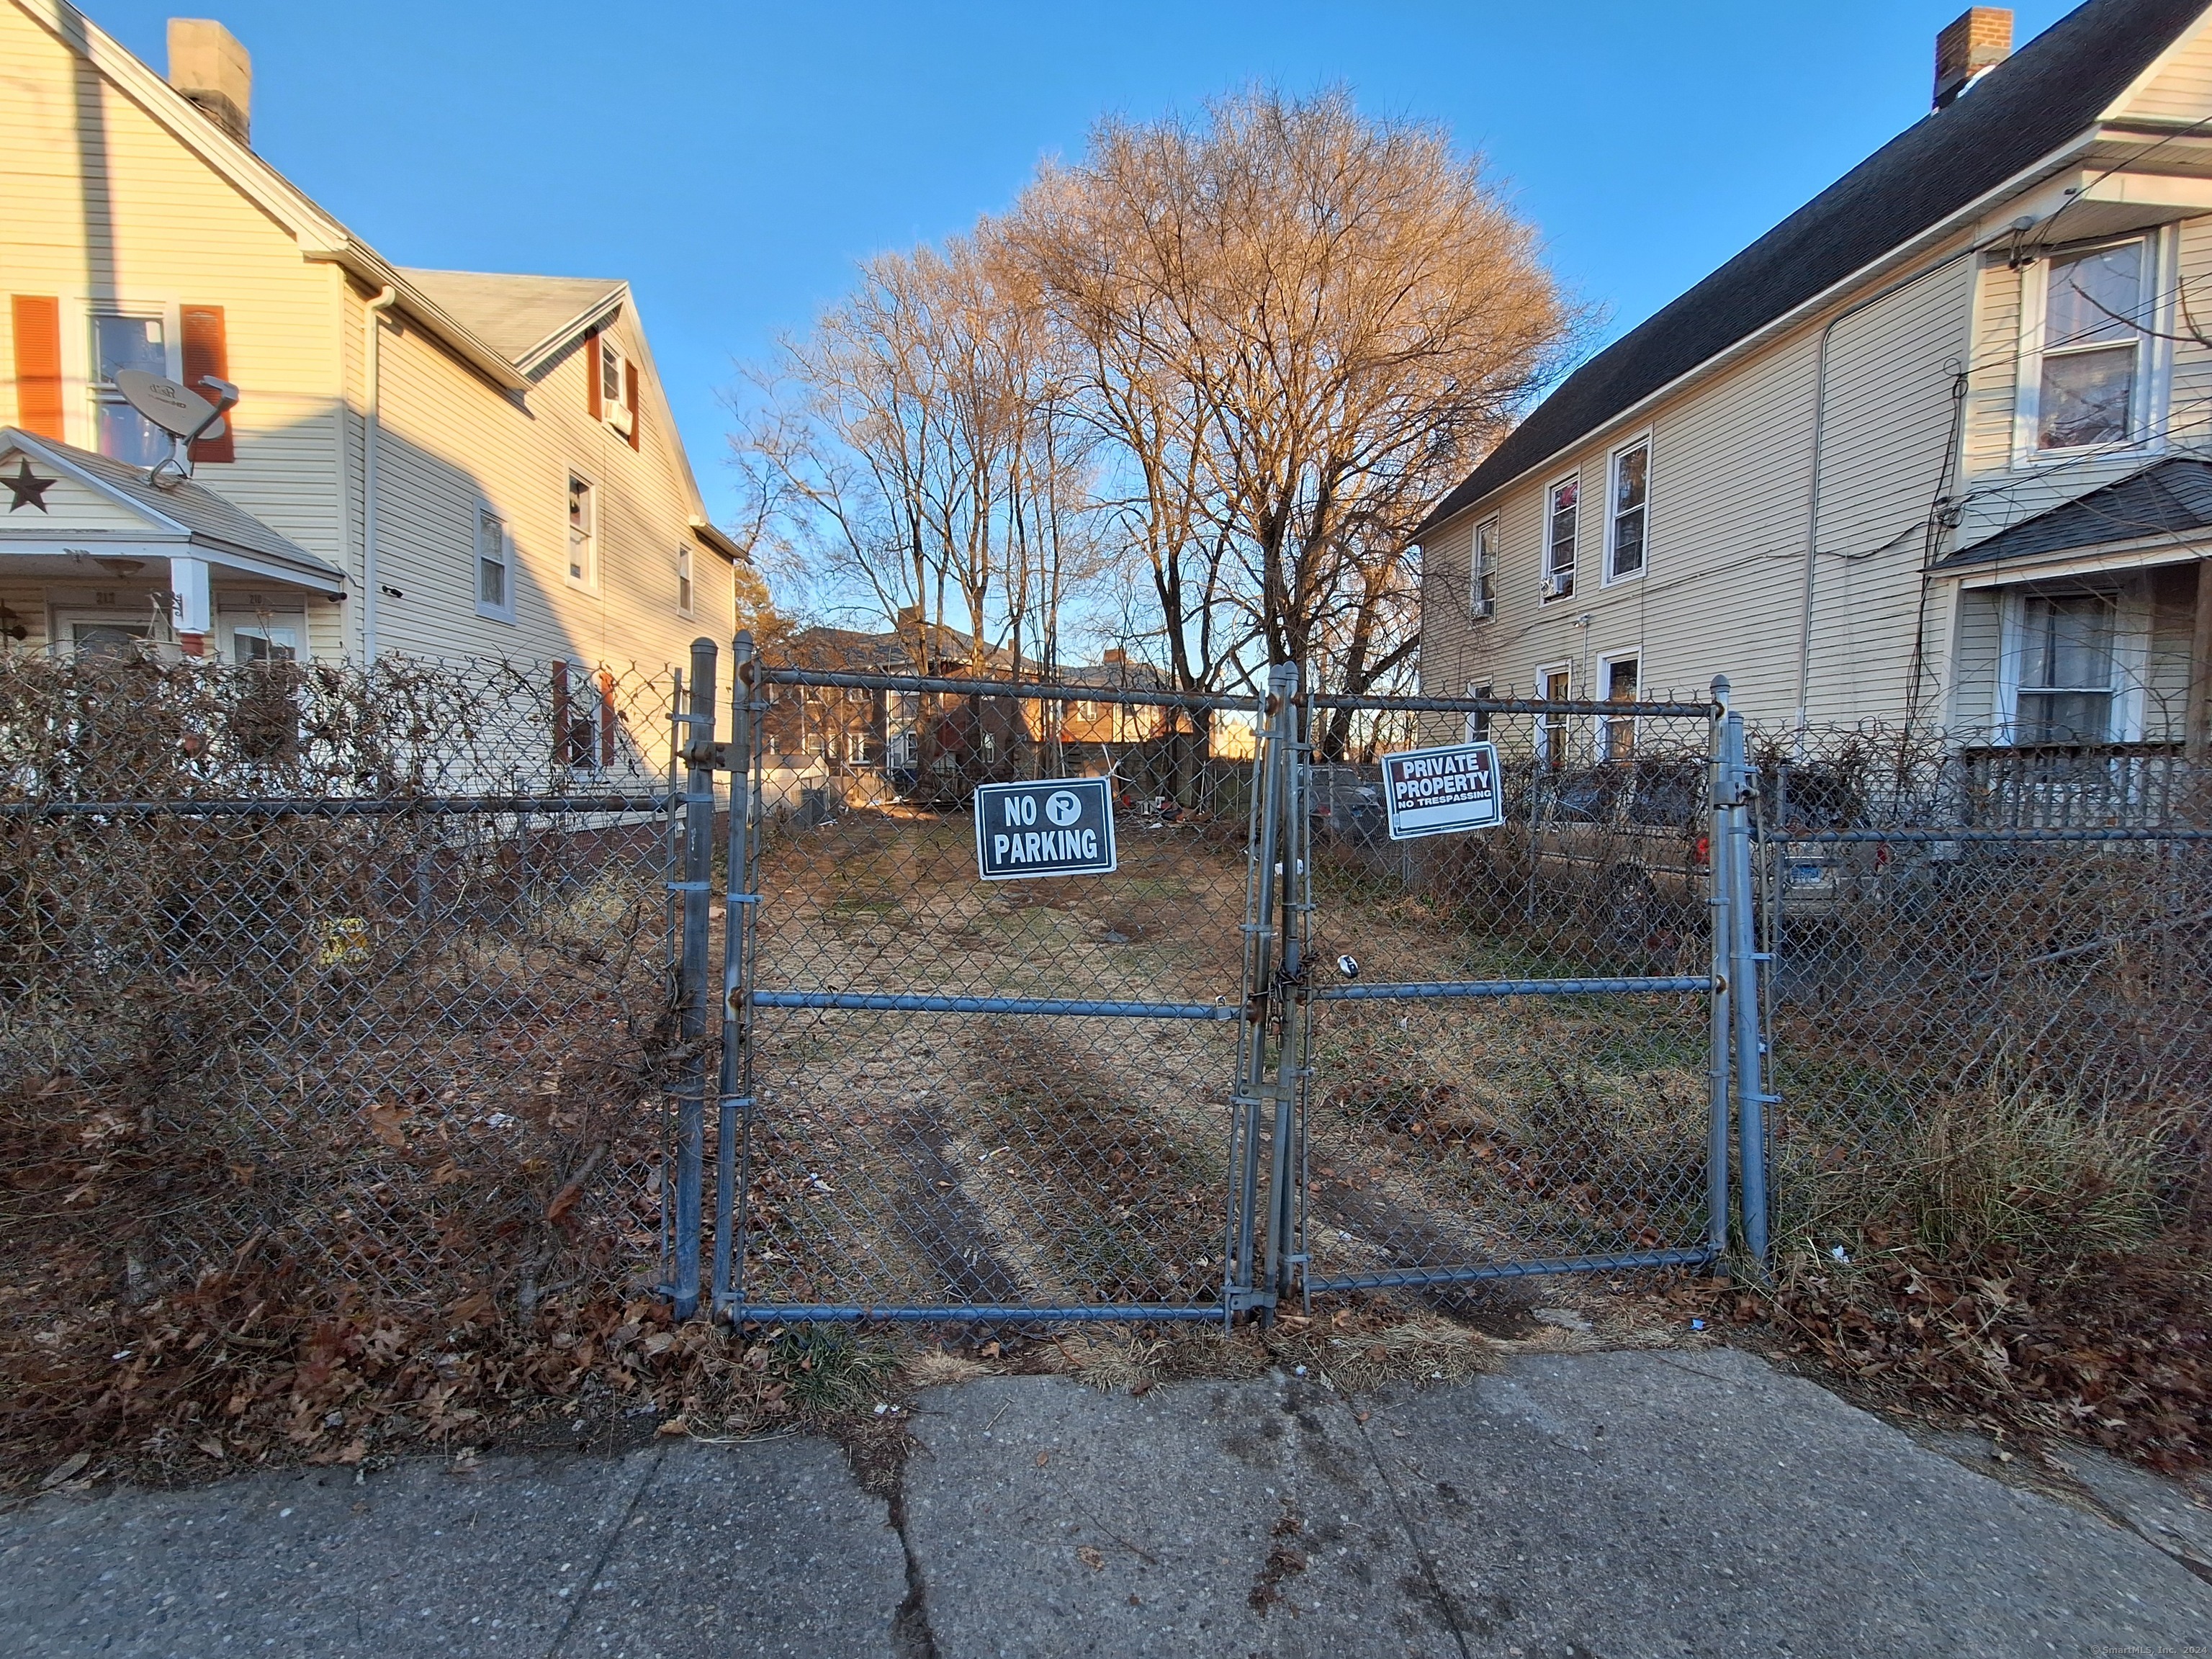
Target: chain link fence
{"points": [[375, 973], [1513, 1052], [1991, 994], [988, 1097], [362, 972]]}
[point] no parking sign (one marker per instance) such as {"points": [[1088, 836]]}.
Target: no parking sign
{"points": [[1062, 827]]}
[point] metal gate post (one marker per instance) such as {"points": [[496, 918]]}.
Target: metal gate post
{"points": [[1286, 1233], [1720, 902], [1748, 1062], [741, 895], [693, 1002], [1256, 1251]]}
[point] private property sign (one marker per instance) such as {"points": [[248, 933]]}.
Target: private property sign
{"points": [[1062, 827], [1434, 792]]}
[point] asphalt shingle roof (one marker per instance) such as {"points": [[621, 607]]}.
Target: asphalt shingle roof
{"points": [[2171, 498], [2051, 90], [203, 514], [512, 313]]}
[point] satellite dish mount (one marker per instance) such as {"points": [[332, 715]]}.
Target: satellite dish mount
{"points": [[186, 414]]}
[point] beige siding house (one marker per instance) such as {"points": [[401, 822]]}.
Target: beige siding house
{"points": [[1938, 447], [442, 464]]}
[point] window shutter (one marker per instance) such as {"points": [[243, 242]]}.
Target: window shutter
{"points": [[629, 398], [207, 351], [591, 372], [38, 321]]}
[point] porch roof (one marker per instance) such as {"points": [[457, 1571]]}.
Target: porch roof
{"points": [[2172, 498], [188, 521]]}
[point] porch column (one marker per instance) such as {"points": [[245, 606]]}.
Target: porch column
{"points": [[193, 613]]}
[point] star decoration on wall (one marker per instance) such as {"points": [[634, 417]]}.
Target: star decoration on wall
{"points": [[26, 489]]}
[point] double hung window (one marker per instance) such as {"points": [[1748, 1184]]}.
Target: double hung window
{"points": [[1562, 503], [121, 342], [583, 533], [2068, 681], [494, 571], [1628, 510], [1482, 594], [2088, 383], [1617, 733]]}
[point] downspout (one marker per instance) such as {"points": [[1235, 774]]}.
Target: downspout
{"points": [[1819, 432], [370, 591]]}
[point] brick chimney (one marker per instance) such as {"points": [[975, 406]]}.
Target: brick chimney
{"points": [[1973, 44], [208, 65], [1113, 655]]}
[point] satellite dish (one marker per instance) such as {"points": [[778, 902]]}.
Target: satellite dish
{"points": [[177, 409]]}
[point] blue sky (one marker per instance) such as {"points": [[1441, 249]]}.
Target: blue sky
{"points": [[734, 159]]}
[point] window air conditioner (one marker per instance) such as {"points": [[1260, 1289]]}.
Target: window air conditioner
{"points": [[618, 416], [1558, 584], [1484, 609]]}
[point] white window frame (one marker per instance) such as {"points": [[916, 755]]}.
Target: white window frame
{"points": [[232, 626], [97, 392], [1551, 523], [2131, 630], [504, 558], [1608, 723], [62, 618], [613, 410], [596, 559], [1551, 727], [1482, 570], [1608, 576], [1478, 723], [687, 587], [2153, 365]]}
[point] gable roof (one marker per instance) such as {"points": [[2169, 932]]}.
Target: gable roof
{"points": [[2171, 497], [188, 513], [526, 318], [2051, 90]]}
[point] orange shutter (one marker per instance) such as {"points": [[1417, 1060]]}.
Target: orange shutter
{"points": [[629, 399], [207, 351], [591, 372], [38, 320]]}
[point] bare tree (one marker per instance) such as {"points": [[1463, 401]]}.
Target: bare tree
{"points": [[1300, 326]]}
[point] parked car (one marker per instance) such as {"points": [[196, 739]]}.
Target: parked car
{"points": [[1344, 804]]}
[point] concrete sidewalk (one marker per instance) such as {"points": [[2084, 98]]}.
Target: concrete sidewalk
{"points": [[1615, 1505]]}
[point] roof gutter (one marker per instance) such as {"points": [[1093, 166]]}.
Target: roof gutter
{"points": [[2057, 162], [703, 528], [359, 260]]}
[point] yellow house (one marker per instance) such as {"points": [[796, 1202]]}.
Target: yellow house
{"points": [[442, 464], [1936, 447]]}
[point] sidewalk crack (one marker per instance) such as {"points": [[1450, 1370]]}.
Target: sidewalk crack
{"points": [[1446, 1603], [910, 1630], [607, 1553]]}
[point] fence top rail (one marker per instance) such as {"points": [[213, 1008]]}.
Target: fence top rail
{"points": [[324, 806], [1777, 833], [1026, 690], [1516, 706]]}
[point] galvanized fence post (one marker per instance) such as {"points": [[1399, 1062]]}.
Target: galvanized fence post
{"points": [[694, 1004], [1720, 902], [1254, 1251], [1747, 1061], [741, 895]]}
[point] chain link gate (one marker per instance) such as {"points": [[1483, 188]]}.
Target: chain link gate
{"points": [[1270, 1054]]}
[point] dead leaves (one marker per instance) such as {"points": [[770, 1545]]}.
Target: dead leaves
{"points": [[389, 1126], [2117, 1350]]}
